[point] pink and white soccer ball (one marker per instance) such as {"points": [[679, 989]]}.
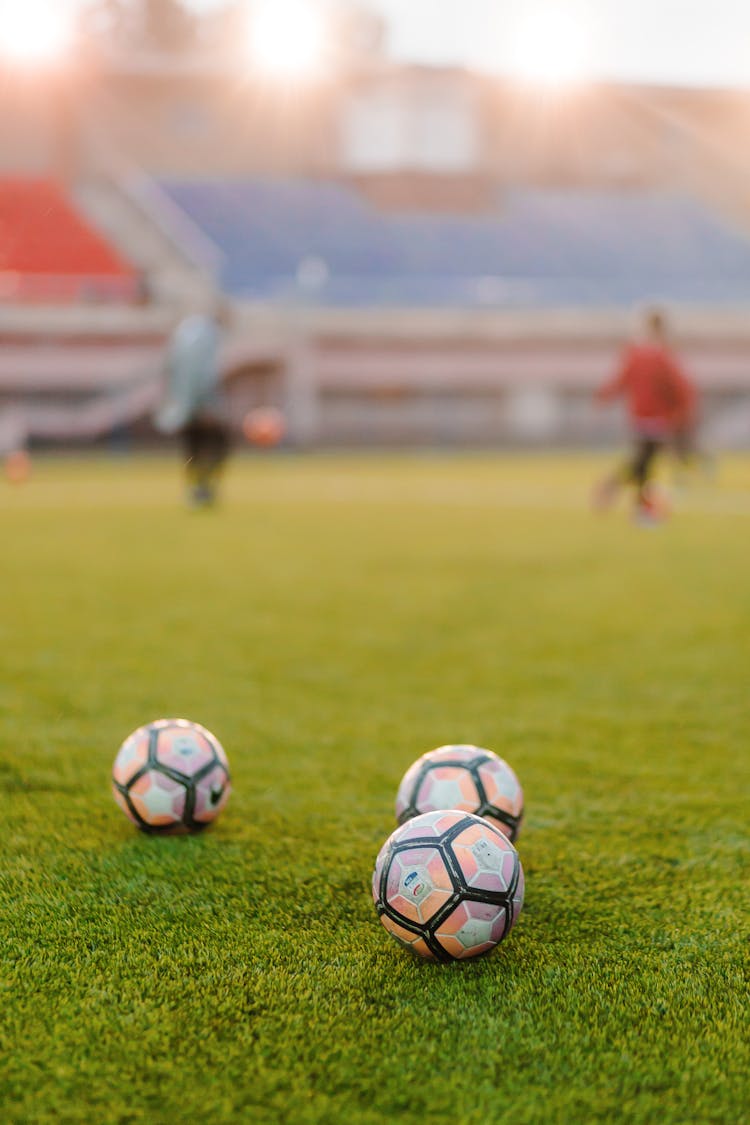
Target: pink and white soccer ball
{"points": [[448, 885], [463, 777], [171, 776]]}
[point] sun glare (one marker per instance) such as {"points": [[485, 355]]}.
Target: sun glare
{"points": [[34, 33], [550, 48], [288, 38]]}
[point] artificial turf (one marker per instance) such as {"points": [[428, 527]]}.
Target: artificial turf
{"points": [[332, 620]]}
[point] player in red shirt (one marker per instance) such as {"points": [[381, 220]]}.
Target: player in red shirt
{"points": [[661, 403]]}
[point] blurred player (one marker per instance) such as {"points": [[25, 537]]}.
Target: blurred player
{"points": [[661, 403], [195, 404]]}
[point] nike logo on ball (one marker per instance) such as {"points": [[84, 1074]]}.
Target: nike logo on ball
{"points": [[217, 793]]}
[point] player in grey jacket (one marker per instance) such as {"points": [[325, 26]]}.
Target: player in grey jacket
{"points": [[195, 404]]}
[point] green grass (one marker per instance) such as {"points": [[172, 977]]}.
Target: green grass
{"points": [[333, 620]]}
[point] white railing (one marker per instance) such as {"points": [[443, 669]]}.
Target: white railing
{"points": [[174, 224], [143, 193]]}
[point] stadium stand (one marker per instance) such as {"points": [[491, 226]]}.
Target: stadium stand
{"points": [[539, 248], [48, 251]]}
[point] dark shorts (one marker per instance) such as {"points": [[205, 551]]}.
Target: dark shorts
{"points": [[647, 448], [206, 442]]}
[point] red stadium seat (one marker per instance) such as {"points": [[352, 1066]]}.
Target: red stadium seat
{"points": [[48, 252]]}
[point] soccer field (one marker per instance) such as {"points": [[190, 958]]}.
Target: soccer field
{"points": [[335, 618]]}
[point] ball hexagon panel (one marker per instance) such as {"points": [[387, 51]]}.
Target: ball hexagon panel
{"points": [[518, 894], [220, 753], [501, 786], [418, 884], [461, 752], [158, 800], [379, 862], [131, 757], [124, 805], [411, 940], [211, 794], [447, 787], [425, 825], [185, 749], [487, 860], [408, 798], [471, 929], [406, 789]]}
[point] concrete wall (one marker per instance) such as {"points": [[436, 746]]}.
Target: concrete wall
{"points": [[483, 378]]}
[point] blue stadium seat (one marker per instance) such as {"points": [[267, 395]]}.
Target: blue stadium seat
{"points": [[539, 247]]}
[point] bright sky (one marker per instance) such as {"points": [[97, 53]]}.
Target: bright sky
{"points": [[696, 42], [692, 42]]}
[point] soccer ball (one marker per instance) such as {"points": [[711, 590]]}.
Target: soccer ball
{"points": [[171, 776], [463, 777], [264, 426], [448, 885]]}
